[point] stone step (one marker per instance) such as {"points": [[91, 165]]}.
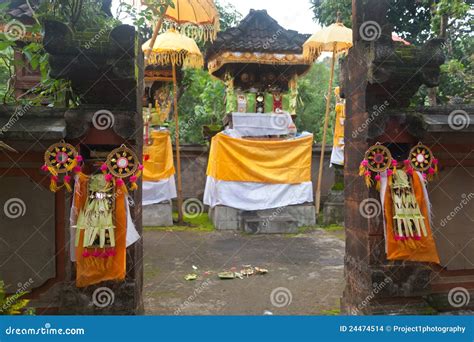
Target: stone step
{"points": [[269, 224]]}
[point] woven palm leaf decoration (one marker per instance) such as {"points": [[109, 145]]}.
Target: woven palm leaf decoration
{"points": [[96, 219], [377, 159], [409, 223], [421, 159], [60, 160], [122, 164]]}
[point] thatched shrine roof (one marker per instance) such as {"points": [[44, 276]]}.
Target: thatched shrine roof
{"points": [[258, 40]]}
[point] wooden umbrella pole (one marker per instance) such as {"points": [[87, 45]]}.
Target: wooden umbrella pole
{"points": [[155, 32], [178, 157], [326, 124]]}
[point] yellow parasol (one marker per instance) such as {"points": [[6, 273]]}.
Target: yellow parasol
{"points": [[178, 50], [198, 19], [335, 38]]}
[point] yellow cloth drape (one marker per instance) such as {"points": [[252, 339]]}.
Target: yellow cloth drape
{"points": [[262, 161], [339, 125], [159, 165], [90, 270], [423, 250]]}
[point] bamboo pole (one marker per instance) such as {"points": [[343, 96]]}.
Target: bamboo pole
{"points": [[178, 157], [326, 124], [156, 31]]}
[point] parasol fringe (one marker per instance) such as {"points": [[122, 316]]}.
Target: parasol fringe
{"points": [[201, 32], [181, 58], [311, 52]]}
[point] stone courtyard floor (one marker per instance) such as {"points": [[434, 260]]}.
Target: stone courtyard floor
{"points": [[305, 272]]}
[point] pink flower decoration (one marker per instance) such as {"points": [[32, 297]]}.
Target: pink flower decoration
{"points": [[86, 253], [141, 167], [406, 162], [44, 168], [389, 172], [96, 254], [424, 175], [435, 161], [79, 158], [67, 179], [120, 182], [365, 162], [394, 162], [378, 178], [108, 178], [77, 169], [103, 167], [368, 173], [54, 178], [133, 179], [431, 171], [410, 171]]}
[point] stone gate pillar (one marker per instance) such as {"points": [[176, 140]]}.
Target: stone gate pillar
{"points": [[375, 77]]}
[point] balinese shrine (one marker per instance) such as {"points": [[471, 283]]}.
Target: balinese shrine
{"points": [[249, 187]]}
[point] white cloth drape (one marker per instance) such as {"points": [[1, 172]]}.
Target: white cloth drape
{"points": [[255, 125], [158, 192], [255, 196]]}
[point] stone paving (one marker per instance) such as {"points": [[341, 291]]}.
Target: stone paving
{"points": [[305, 273]]}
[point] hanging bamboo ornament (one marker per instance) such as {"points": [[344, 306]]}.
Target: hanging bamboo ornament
{"points": [[60, 160]]}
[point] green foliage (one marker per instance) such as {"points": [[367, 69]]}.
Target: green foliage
{"points": [[312, 91], [456, 81], [411, 19], [12, 305], [79, 15], [142, 18], [229, 16], [202, 103], [325, 11], [418, 21]]}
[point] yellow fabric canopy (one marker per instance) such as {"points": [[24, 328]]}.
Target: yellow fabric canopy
{"points": [[198, 19], [159, 164], [262, 161], [335, 36], [174, 48]]}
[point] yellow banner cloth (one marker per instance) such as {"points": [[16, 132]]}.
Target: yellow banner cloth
{"points": [[423, 250], [261, 161], [159, 164]]}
